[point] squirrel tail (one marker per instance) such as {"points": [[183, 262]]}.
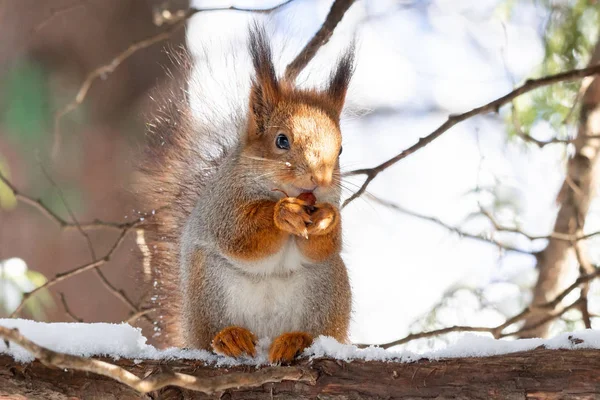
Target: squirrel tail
{"points": [[189, 136]]}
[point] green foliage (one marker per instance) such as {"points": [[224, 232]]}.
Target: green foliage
{"points": [[27, 114], [571, 34], [8, 201]]}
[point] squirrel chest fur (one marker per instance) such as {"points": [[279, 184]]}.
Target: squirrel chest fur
{"points": [[251, 235], [272, 298]]}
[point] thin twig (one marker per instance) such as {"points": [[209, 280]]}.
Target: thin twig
{"points": [[70, 212], [76, 271], [142, 313], [493, 106], [108, 68], [554, 235], [67, 309], [54, 12], [451, 228], [64, 225], [155, 382], [585, 267], [336, 13], [498, 331], [121, 295], [124, 227]]}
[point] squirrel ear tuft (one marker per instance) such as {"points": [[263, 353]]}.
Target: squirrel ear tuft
{"points": [[265, 91], [340, 79]]}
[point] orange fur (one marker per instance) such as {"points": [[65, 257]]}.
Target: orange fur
{"points": [[255, 233], [287, 346], [234, 341], [324, 234]]}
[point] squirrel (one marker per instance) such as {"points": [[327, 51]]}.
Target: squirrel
{"points": [[245, 238]]}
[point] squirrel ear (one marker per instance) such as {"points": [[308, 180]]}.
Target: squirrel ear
{"points": [[340, 79], [265, 91]]}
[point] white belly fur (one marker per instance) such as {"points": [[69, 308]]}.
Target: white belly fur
{"points": [[268, 298]]}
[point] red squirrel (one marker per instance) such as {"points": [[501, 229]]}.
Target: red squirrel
{"points": [[246, 237]]}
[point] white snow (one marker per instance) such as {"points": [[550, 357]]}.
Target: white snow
{"points": [[123, 340]]}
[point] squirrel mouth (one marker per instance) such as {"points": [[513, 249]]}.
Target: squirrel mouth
{"points": [[306, 189], [295, 191]]}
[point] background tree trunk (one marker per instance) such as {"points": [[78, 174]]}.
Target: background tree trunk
{"points": [[525, 375], [577, 191]]}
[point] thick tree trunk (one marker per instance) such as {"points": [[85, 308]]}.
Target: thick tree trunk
{"points": [[575, 196], [537, 374]]}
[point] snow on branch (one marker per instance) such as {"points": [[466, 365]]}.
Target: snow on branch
{"points": [[473, 367], [160, 380], [498, 331]]}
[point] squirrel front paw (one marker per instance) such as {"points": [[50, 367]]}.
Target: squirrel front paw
{"points": [[233, 341], [287, 346], [324, 218], [291, 215]]}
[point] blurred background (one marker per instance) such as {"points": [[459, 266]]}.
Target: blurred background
{"points": [[455, 234]]}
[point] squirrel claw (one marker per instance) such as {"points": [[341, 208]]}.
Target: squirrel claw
{"points": [[233, 341], [287, 346], [291, 216]]}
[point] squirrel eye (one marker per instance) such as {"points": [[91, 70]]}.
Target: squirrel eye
{"points": [[341, 148], [282, 142]]}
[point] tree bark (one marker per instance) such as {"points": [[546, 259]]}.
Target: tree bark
{"points": [[536, 374], [577, 191]]}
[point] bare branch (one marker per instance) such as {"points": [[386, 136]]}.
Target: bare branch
{"points": [[554, 235], [121, 295], [142, 313], [336, 13], [493, 106], [70, 212], [76, 271], [64, 225], [169, 378], [498, 331], [451, 228], [108, 68], [124, 227], [54, 12], [585, 267], [67, 309]]}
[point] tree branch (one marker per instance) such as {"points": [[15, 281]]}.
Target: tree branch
{"points": [[124, 227], [67, 309], [160, 380], [176, 24], [533, 374], [63, 225], [493, 106], [78, 270], [450, 228], [498, 331], [336, 13], [54, 12]]}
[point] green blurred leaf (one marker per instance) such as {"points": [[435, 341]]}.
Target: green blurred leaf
{"points": [[8, 201], [27, 115]]}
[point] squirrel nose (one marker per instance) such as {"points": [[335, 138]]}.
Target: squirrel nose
{"points": [[321, 177]]}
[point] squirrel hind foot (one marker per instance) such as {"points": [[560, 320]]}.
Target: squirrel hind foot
{"points": [[234, 341], [287, 346]]}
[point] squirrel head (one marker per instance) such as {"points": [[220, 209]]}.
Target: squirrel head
{"points": [[295, 132]]}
